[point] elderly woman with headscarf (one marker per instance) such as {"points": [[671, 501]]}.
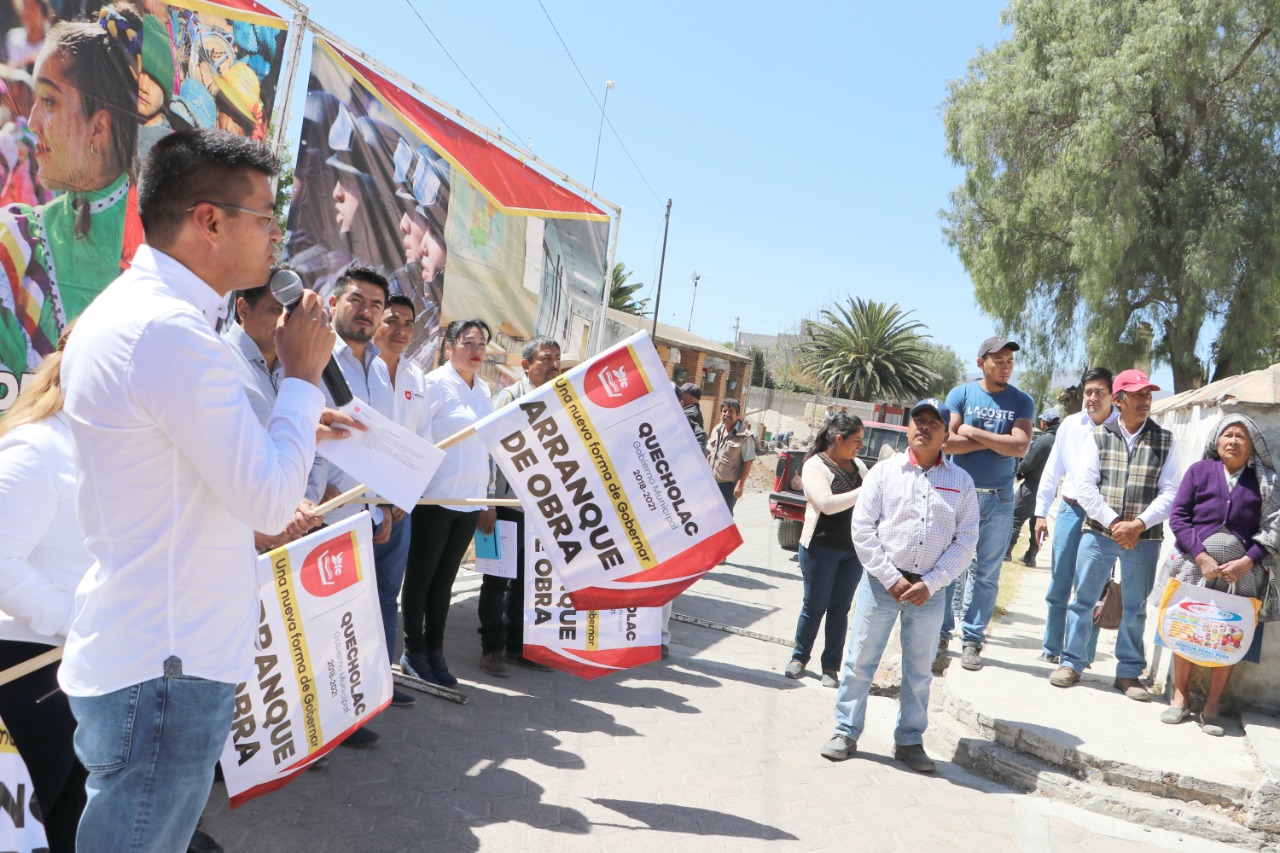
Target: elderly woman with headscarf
{"points": [[1226, 519]]}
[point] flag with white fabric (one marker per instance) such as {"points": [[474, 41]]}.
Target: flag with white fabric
{"points": [[612, 478], [586, 643], [321, 669], [21, 829]]}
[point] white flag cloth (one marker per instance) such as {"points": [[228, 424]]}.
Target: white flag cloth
{"points": [[21, 829], [321, 666], [612, 478], [586, 643]]}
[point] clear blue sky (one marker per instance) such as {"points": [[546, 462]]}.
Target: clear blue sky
{"points": [[802, 146]]}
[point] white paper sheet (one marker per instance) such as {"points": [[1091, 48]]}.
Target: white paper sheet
{"points": [[391, 460], [504, 566]]}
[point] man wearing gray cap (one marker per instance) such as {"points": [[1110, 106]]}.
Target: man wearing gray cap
{"points": [[990, 430], [1029, 471]]}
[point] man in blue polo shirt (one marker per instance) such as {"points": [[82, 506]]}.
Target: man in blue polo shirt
{"points": [[990, 430]]}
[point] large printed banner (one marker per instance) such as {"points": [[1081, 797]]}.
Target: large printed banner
{"points": [[611, 477], [68, 202], [321, 666], [586, 643], [21, 828], [461, 227]]}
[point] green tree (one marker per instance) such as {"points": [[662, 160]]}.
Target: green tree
{"points": [[622, 292], [1122, 182], [946, 367], [868, 350]]}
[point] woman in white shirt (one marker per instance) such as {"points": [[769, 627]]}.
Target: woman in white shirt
{"points": [[832, 476], [456, 398], [42, 559]]}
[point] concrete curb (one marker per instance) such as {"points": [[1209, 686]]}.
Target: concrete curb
{"points": [[974, 749]]}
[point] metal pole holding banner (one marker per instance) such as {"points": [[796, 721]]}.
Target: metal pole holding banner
{"points": [[297, 30], [597, 329]]}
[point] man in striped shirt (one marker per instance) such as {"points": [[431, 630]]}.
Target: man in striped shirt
{"points": [[915, 528]]}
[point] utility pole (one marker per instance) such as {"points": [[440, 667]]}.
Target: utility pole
{"points": [[736, 322], [657, 300], [695, 298]]}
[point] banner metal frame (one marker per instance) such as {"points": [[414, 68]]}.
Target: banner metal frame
{"points": [[303, 23]]}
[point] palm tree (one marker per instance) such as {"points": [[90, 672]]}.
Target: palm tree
{"points": [[869, 351], [621, 292]]}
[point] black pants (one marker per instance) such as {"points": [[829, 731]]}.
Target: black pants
{"points": [[502, 599], [439, 539], [1024, 508], [43, 733]]}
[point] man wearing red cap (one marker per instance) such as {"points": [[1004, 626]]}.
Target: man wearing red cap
{"points": [[1128, 476]]}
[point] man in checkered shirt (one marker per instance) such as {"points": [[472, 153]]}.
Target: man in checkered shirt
{"points": [[915, 528]]}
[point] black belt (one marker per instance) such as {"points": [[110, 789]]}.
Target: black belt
{"points": [[912, 577], [1071, 501]]}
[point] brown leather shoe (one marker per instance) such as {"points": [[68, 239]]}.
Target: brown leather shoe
{"points": [[491, 662], [1131, 688], [1064, 676]]}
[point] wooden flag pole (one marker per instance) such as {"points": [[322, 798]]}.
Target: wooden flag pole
{"points": [[352, 494], [27, 667]]}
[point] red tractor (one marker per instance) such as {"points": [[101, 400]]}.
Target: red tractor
{"points": [[787, 502]]}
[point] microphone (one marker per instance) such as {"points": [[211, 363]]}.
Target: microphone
{"points": [[287, 287]]}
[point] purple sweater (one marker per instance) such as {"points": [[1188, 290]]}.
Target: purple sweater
{"points": [[1204, 506]]}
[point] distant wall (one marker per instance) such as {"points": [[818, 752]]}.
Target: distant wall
{"points": [[809, 407]]}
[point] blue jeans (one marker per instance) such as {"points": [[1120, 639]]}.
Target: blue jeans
{"points": [[830, 577], [389, 560], [1098, 553], [150, 751], [981, 581], [874, 613], [1067, 529]]}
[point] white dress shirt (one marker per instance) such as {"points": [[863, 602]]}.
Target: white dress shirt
{"points": [[1090, 472], [175, 474], [42, 554], [409, 397], [369, 381], [1059, 467], [452, 405], [908, 519]]}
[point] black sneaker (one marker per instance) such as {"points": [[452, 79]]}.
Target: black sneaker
{"points": [[401, 699], [440, 669], [971, 657], [417, 665], [361, 738]]}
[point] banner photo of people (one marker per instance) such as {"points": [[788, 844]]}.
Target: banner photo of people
{"points": [[611, 476], [585, 643], [21, 829], [82, 101], [459, 226], [321, 669]]}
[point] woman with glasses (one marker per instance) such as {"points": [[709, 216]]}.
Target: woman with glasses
{"points": [[456, 398], [832, 476]]}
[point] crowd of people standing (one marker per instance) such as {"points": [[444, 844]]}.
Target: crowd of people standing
{"points": [[936, 521]]}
